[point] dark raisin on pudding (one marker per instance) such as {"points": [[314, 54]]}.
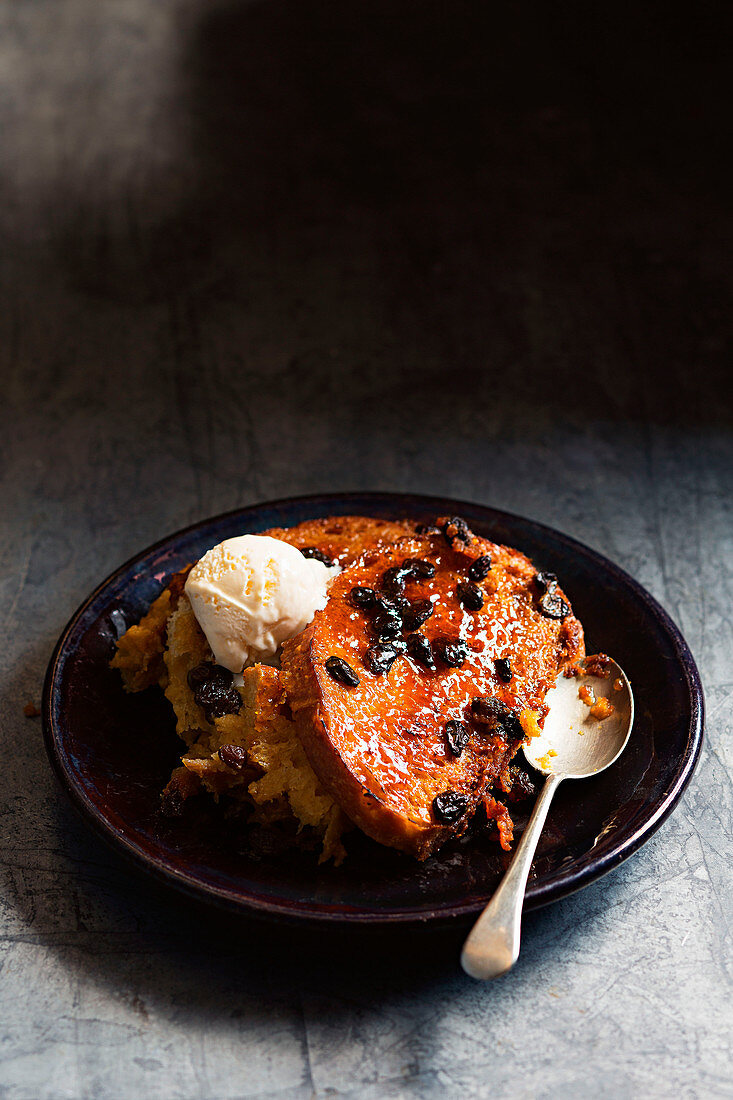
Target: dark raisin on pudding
{"points": [[387, 625], [390, 604], [457, 532], [450, 807], [363, 598], [420, 649], [234, 756], [457, 734], [379, 658], [453, 654], [317, 555], [217, 700], [550, 605], [553, 606], [470, 595], [213, 691], [487, 710], [522, 786], [419, 567], [343, 673], [481, 568], [503, 667], [394, 580], [416, 614], [497, 717]]}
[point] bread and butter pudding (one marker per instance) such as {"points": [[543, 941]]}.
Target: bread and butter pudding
{"points": [[356, 672]]}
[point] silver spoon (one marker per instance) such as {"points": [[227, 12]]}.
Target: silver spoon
{"points": [[573, 745]]}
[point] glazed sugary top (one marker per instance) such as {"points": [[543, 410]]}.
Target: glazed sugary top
{"points": [[343, 539], [484, 611]]}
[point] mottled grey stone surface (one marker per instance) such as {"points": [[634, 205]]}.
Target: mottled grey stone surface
{"points": [[258, 249]]}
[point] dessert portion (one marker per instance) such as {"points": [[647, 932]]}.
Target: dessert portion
{"points": [[356, 672]]}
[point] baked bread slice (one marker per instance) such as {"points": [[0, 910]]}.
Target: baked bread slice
{"points": [[414, 687]]}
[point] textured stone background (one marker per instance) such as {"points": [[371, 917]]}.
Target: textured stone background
{"points": [[255, 249]]}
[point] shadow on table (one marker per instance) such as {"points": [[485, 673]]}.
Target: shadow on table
{"points": [[523, 201]]}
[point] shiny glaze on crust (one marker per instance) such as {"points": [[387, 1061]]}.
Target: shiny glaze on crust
{"points": [[343, 538], [380, 747]]}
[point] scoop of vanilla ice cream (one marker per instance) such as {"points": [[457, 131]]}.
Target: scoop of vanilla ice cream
{"points": [[251, 593]]}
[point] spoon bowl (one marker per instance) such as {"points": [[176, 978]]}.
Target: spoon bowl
{"points": [[587, 728], [575, 744]]}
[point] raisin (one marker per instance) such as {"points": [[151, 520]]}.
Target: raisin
{"points": [[512, 728], [522, 786], [212, 690], [450, 807], [394, 580], [387, 625], [198, 676], [489, 711], [420, 649], [455, 530], [390, 604], [470, 595], [234, 756], [207, 672], [217, 699], [453, 654], [418, 567], [553, 606], [342, 672], [503, 667], [416, 614], [364, 598], [457, 734], [497, 717], [318, 555], [180, 788], [427, 529], [480, 568], [379, 658]]}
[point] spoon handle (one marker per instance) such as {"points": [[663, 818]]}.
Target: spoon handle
{"points": [[492, 946]]}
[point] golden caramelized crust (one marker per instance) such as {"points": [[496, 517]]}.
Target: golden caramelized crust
{"points": [[380, 747], [343, 538]]}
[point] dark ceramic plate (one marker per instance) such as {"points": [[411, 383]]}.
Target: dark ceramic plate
{"points": [[113, 753]]}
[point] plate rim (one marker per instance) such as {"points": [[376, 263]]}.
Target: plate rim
{"points": [[538, 893]]}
